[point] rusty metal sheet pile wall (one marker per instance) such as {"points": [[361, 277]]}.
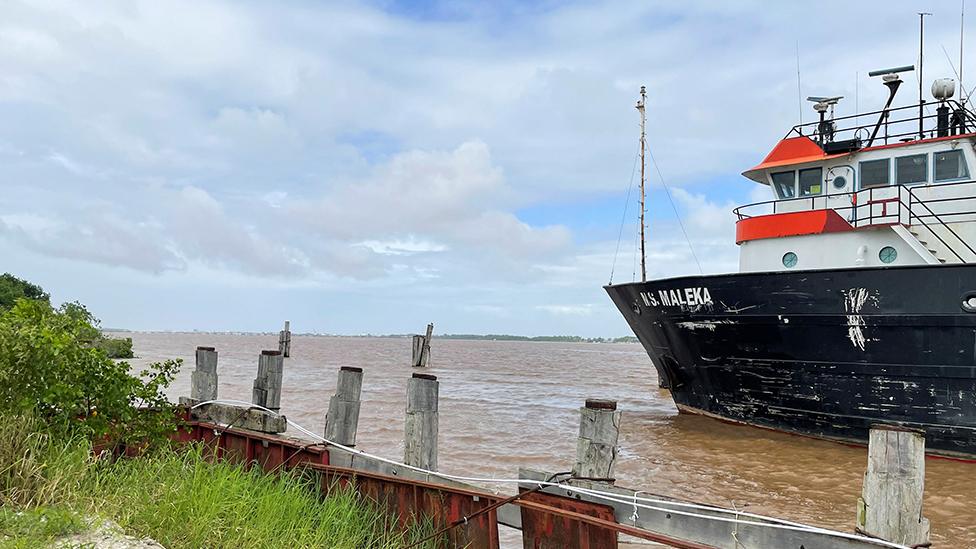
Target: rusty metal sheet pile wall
{"points": [[411, 499], [543, 530]]}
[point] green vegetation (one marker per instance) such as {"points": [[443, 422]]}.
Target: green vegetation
{"points": [[115, 347], [59, 391], [38, 527], [13, 288], [48, 367], [178, 498]]}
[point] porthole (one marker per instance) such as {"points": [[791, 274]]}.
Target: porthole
{"points": [[969, 302], [789, 260], [888, 254], [840, 182]]}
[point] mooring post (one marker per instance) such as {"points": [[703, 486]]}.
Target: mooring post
{"points": [[343, 417], [284, 340], [425, 352], [267, 384], [420, 436], [420, 357], [596, 447], [890, 506], [203, 379], [417, 351]]}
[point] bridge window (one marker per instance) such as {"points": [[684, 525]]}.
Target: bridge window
{"points": [[950, 165], [785, 184], [875, 173], [811, 181], [912, 169]]}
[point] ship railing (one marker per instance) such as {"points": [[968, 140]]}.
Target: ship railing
{"points": [[898, 125], [891, 205]]}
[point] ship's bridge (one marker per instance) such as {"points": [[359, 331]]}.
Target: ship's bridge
{"points": [[891, 187]]}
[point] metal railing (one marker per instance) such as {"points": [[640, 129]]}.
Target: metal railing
{"points": [[904, 127], [887, 205]]}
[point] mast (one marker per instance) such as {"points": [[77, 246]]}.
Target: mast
{"points": [[640, 108]]}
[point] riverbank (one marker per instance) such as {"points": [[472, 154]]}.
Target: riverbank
{"points": [[53, 490]]}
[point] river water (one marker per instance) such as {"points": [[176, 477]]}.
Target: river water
{"points": [[507, 404]]}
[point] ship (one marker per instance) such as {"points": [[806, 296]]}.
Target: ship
{"points": [[855, 300]]}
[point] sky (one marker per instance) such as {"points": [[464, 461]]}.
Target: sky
{"points": [[370, 167]]}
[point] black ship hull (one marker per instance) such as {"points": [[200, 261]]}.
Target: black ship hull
{"points": [[824, 353]]}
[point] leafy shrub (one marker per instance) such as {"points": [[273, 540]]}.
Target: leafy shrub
{"points": [[50, 367], [115, 347], [13, 288]]}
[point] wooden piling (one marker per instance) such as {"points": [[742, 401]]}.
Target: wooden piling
{"points": [[420, 358], [425, 352], [343, 417], [596, 447], [420, 432], [890, 506], [284, 340], [267, 385], [203, 379]]}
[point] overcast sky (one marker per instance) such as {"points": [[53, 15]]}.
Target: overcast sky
{"points": [[370, 167]]}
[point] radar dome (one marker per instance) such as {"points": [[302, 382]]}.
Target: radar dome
{"points": [[943, 88]]}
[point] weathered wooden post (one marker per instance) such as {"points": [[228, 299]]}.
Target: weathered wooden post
{"points": [[417, 349], [267, 384], [343, 417], [420, 437], [596, 447], [421, 348], [425, 352], [284, 340], [203, 379], [890, 506]]}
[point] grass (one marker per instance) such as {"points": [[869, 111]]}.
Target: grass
{"points": [[37, 527], [50, 484]]}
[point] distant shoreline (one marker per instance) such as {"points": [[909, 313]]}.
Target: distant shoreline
{"points": [[464, 337]]}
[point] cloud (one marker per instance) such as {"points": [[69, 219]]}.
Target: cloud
{"points": [[571, 310], [335, 145]]}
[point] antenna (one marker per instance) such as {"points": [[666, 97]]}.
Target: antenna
{"points": [[892, 81], [962, 17], [921, 54], [640, 108], [799, 95]]}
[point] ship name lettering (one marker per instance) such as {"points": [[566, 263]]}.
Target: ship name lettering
{"points": [[680, 297]]}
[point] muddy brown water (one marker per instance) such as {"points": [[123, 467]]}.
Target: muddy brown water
{"points": [[507, 404]]}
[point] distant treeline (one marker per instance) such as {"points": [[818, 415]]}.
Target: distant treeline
{"points": [[559, 338]]}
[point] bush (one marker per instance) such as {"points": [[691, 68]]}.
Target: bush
{"points": [[49, 367], [13, 288], [115, 347]]}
